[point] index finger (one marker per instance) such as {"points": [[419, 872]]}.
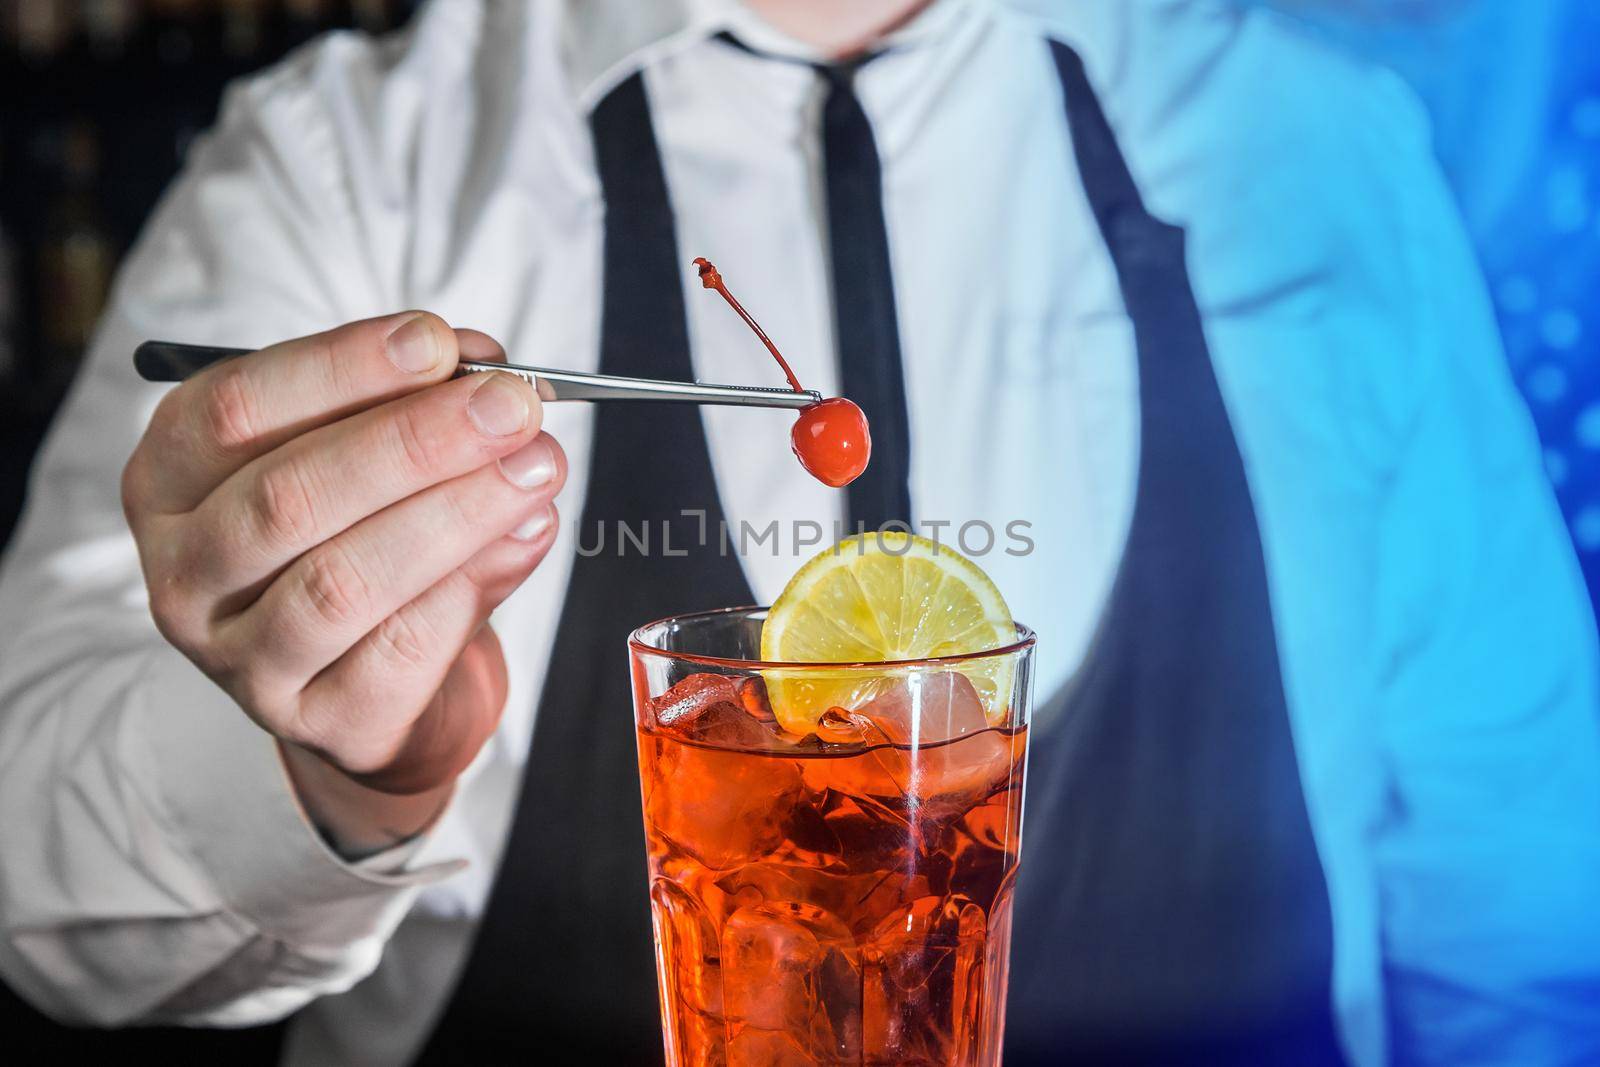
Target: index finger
{"points": [[245, 407]]}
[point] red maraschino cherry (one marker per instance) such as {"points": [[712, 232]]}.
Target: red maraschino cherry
{"points": [[831, 439]]}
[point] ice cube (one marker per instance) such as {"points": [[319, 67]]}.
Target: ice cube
{"points": [[873, 835], [721, 807], [689, 698], [938, 774], [840, 726], [753, 697], [850, 744], [708, 708], [950, 778], [925, 708], [922, 982], [857, 891], [730, 726], [984, 850], [934, 782], [790, 969]]}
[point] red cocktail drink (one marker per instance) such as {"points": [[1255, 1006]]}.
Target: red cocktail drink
{"points": [[837, 897]]}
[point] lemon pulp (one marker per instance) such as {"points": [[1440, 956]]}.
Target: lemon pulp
{"points": [[882, 597]]}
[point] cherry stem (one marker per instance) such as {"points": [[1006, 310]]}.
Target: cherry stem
{"points": [[713, 280]]}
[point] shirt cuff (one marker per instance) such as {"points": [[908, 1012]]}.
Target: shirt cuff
{"points": [[227, 798], [396, 858]]}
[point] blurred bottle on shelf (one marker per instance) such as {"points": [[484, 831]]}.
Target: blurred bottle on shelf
{"points": [[109, 27], [98, 102], [244, 28], [76, 255], [40, 30], [181, 30]]}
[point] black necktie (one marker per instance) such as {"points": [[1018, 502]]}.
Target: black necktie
{"points": [[866, 325], [563, 957], [563, 969]]}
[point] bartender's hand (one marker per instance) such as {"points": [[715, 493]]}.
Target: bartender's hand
{"points": [[325, 526]]}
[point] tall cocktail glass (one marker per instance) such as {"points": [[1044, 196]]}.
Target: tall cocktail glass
{"points": [[841, 896]]}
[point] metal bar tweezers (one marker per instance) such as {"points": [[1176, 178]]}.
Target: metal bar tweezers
{"points": [[167, 361]]}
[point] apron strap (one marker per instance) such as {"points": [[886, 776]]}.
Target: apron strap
{"points": [[1171, 907], [564, 957]]}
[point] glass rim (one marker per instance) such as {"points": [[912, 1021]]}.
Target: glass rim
{"points": [[1026, 639]]}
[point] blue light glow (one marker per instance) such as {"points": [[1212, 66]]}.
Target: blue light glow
{"points": [[1514, 93]]}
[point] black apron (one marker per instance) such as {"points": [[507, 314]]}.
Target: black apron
{"points": [[563, 970], [1171, 907]]}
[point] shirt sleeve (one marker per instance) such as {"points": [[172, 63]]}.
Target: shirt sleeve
{"points": [[1489, 858], [154, 865]]}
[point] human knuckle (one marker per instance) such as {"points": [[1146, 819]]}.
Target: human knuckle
{"points": [[283, 503], [477, 577], [324, 728], [173, 428], [463, 511], [335, 589], [354, 756], [135, 484], [178, 615], [168, 607], [415, 445], [206, 542], [345, 375], [312, 728], [169, 412], [253, 688], [229, 412], [405, 640]]}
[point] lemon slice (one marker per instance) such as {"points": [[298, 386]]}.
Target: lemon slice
{"points": [[880, 597]]}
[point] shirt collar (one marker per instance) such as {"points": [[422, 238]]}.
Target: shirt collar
{"points": [[606, 41]]}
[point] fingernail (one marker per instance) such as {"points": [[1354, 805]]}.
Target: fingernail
{"points": [[530, 466], [413, 347], [499, 406], [535, 527]]}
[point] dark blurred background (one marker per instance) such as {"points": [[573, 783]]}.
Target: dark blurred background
{"points": [[99, 99]]}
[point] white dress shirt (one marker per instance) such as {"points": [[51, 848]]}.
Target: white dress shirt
{"points": [[1437, 646]]}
